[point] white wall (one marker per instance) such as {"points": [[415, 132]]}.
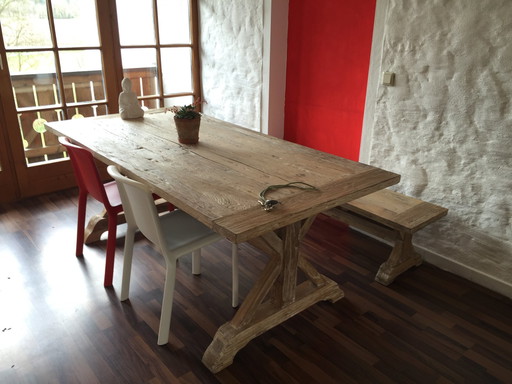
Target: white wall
{"points": [[446, 126], [231, 35]]}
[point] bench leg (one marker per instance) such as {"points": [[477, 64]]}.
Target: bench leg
{"points": [[402, 257]]}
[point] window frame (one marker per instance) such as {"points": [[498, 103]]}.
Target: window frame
{"points": [[158, 46]]}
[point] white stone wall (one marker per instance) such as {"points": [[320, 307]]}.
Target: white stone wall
{"points": [[446, 125], [231, 34]]}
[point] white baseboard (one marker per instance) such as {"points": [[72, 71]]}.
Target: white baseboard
{"points": [[467, 272]]}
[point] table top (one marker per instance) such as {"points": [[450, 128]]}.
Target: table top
{"points": [[218, 180]]}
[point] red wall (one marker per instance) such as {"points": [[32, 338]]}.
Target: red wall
{"points": [[329, 44]]}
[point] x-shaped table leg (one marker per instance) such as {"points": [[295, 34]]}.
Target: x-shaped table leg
{"points": [[275, 297]]}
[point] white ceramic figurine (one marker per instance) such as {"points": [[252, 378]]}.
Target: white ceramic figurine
{"points": [[129, 107]]}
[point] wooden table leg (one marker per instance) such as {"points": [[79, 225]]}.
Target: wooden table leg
{"points": [[98, 224], [275, 296]]}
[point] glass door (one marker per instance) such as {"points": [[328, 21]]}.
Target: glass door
{"points": [[65, 59], [54, 71]]}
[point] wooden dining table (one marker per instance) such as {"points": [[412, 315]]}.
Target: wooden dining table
{"points": [[218, 181]]}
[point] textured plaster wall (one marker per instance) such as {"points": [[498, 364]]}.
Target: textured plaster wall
{"points": [[231, 34], [446, 125]]}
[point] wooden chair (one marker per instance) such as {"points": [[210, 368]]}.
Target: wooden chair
{"points": [[89, 183], [175, 233]]}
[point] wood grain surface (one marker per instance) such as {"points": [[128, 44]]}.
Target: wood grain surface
{"points": [[218, 180]]}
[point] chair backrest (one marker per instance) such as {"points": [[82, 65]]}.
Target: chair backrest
{"points": [[85, 170], [139, 206]]}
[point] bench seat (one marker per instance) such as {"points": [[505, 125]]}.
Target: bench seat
{"points": [[393, 217]]}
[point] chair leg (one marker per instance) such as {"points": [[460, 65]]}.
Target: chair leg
{"points": [[127, 262], [196, 262], [80, 224], [234, 273], [165, 317], [111, 250]]}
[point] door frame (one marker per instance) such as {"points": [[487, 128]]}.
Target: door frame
{"points": [[373, 82], [8, 190]]}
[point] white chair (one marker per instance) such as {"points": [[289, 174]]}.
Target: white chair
{"points": [[175, 233]]}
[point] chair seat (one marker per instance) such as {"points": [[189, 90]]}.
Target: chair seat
{"points": [[113, 195], [181, 229]]}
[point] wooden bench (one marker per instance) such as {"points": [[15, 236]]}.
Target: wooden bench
{"points": [[394, 217]]}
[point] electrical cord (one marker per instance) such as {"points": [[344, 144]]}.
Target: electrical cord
{"points": [[268, 205]]}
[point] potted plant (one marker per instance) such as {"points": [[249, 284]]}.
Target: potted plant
{"points": [[187, 120]]}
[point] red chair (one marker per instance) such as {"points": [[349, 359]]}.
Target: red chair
{"points": [[89, 183]]}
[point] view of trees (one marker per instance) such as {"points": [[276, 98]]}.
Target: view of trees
{"points": [[25, 25]]}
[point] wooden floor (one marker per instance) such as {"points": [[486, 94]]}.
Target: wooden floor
{"points": [[59, 325]]}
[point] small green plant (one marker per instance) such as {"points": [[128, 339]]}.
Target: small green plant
{"points": [[185, 111]]}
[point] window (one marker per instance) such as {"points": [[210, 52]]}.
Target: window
{"points": [[157, 50], [66, 59], [55, 64]]}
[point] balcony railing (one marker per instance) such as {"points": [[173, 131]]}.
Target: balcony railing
{"points": [[37, 101]]}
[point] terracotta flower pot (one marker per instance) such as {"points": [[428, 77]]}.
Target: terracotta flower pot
{"points": [[188, 130]]}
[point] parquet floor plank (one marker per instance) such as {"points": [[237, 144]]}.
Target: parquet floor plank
{"points": [[60, 325]]}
